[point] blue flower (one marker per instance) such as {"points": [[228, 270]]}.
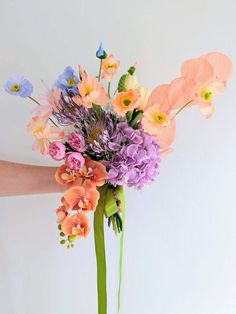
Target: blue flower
{"points": [[68, 80], [101, 53], [18, 86]]}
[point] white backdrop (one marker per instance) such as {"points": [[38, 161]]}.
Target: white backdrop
{"points": [[180, 243]]}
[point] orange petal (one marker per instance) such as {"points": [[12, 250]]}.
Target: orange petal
{"points": [[160, 97], [207, 109], [73, 195], [199, 70], [181, 92], [221, 64], [166, 135]]}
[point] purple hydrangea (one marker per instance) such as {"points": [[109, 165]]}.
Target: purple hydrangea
{"points": [[18, 86], [137, 157]]}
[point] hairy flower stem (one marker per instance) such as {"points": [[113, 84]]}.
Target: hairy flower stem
{"points": [[109, 90], [34, 100], [100, 71], [182, 108]]}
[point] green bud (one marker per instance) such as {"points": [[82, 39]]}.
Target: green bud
{"points": [[71, 238], [121, 84], [62, 241], [131, 70], [59, 227], [62, 234]]}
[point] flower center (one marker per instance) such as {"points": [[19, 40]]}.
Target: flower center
{"points": [[88, 90], [160, 118], [15, 88], [83, 203], [207, 95], [126, 102], [110, 65], [94, 134], [71, 81]]}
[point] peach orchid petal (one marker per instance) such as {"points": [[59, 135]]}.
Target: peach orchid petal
{"points": [[73, 195], [78, 198], [77, 224], [199, 70], [221, 64]]}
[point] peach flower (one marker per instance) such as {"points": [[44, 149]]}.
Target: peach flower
{"points": [[76, 225], [209, 74], [90, 91], [43, 133], [110, 66], [156, 120], [79, 198], [93, 173], [126, 101]]}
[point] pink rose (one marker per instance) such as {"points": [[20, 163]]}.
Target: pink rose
{"points": [[77, 142], [74, 160], [57, 150]]}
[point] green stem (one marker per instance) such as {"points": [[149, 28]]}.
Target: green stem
{"points": [[137, 117], [182, 108], [100, 252], [100, 71], [122, 198], [109, 89], [34, 100]]}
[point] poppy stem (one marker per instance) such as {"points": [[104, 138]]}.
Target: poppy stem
{"points": [[34, 100], [182, 108], [109, 90], [100, 71]]}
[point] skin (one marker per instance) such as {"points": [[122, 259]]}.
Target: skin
{"points": [[21, 179]]}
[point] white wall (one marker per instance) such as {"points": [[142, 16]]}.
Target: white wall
{"points": [[180, 244]]}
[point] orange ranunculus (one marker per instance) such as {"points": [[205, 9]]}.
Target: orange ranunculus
{"points": [[90, 91], [110, 66], [77, 225], [126, 101], [79, 198]]}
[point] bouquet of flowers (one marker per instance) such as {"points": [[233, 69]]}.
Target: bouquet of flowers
{"points": [[107, 139]]}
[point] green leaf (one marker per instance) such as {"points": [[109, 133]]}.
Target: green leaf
{"points": [[110, 203]]}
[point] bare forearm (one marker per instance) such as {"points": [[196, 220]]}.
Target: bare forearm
{"points": [[19, 179]]}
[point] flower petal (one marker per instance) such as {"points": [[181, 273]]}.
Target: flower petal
{"points": [[221, 64], [199, 70]]}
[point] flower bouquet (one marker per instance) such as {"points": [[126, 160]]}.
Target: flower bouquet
{"points": [[107, 139]]}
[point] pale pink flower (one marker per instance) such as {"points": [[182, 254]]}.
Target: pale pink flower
{"points": [[209, 73], [43, 133], [90, 91], [110, 66]]}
